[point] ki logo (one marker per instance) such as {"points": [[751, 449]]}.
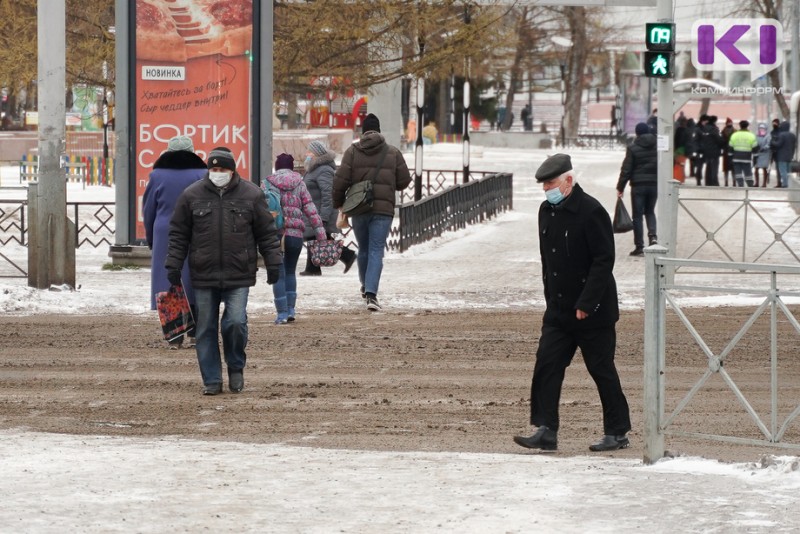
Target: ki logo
{"points": [[737, 44]]}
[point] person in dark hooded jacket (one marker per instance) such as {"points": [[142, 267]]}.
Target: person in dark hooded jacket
{"points": [[371, 158], [711, 144], [175, 170], [784, 146], [640, 168]]}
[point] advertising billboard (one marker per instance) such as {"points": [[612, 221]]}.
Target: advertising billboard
{"points": [[193, 76]]}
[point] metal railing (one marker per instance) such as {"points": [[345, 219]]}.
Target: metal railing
{"points": [[446, 207], [94, 225], [661, 295], [745, 224], [434, 181], [453, 209]]}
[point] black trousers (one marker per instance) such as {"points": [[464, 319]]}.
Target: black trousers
{"points": [[712, 171], [557, 347]]}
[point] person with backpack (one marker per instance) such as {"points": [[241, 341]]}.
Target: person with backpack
{"points": [[295, 201], [320, 165]]}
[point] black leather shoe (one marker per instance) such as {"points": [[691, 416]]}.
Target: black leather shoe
{"points": [[544, 439], [212, 389], [610, 443], [638, 251], [236, 381]]}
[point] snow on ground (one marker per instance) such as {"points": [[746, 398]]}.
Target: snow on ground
{"points": [[56, 483]]}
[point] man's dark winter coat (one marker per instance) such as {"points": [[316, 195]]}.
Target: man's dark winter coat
{"points": [[710, 141], [576, 244], [784, 145], [640, 166]]}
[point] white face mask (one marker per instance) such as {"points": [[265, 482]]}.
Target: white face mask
{"points": [[220, 179]]}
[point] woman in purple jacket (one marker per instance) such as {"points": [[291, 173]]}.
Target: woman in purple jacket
{"points": [[173, 171]]}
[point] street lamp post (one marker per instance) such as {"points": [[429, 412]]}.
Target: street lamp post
{"points": [[563, 102], [466, 96]]}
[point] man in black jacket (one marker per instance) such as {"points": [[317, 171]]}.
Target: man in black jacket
{"points": [[222, 223], [783, 146], [711, 144], [576, 245], [640, 168]]}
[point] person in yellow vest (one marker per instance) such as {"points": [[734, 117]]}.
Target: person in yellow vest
{"points": [[743, 143]]}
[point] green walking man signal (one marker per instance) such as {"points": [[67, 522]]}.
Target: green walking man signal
{"points": [[659, 60], [659, 64]]}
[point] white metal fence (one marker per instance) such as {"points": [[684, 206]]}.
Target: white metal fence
{"points": [[771, 412]]}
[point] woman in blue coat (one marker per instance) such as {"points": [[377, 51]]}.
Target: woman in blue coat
{"points": [[173, 171]]}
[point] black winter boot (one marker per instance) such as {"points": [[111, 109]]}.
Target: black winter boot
{"points": [[311, 269], [348, 257]]}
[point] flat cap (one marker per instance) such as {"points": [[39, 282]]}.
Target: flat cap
{"points": [[553, 167]]}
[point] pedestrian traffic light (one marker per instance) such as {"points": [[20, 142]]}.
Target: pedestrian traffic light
{"points": [[659, 60], [660, 36], [659, 64]]}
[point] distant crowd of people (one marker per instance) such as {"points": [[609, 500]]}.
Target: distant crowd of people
{"points": [[746, 157]]}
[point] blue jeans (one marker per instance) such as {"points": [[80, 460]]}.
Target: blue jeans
{"points": [[371, 232], [783, 173], [643, 199], [287, 283], [234, 331]]}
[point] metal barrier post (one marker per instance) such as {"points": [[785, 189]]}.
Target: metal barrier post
{"points": [[653, 355]]}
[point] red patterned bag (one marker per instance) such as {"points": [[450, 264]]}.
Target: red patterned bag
{"points": [[174, 312], [325, 253]]}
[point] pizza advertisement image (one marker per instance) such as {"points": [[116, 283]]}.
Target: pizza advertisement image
{"points": [[193, 77]]}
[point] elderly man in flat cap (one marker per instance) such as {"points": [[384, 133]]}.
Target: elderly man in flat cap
{"points": [[576, 244]]}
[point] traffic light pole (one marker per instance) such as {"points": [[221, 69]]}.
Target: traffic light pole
{"points": [[653, 402], [666, 216]]}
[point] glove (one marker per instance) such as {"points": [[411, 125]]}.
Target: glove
{"points": [[174, 277], [273, 274]]}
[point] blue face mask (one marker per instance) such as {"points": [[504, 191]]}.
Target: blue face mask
{"points": [[554, 196], [308, 161]]}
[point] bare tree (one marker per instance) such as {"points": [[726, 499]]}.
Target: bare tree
{"points": [[90, 44], [576, 67]]}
